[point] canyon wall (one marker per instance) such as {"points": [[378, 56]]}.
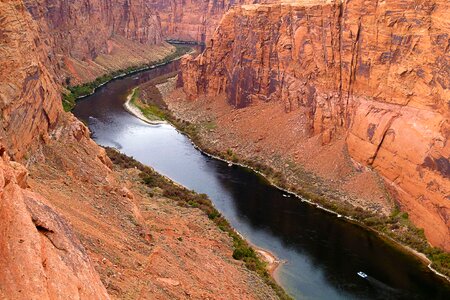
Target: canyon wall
{"points": [[375, 73], [84, 36], [194, 20], [71, 225], [29, 97], [40, 255]]}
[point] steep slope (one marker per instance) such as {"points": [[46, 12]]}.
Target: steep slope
{"points": [[40, 255], [28, 93], [371, 73], [73, 226]]}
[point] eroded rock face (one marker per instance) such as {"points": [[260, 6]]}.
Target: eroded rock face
{"points": [[40, 256], [46, 43], [194, 20], [80, 31], [81, 28], [373, 72], [29, 97]]}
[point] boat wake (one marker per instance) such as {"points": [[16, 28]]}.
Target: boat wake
{"points": [[383, 290]]}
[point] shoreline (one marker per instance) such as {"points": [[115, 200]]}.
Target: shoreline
{"points": [[135, 111], [262, 255], [421, 256], [402, 247], [273, 262], [138, 69], [405, 248]]}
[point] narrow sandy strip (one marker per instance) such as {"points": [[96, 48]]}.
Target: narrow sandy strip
{"points": [[135, 111], [272, 261]]}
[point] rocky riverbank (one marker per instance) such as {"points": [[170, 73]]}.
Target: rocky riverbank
{"points": [[131, 107], [151, 116], [361, 114], [138, 234], [201, 120]]}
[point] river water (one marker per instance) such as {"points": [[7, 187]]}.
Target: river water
{"points": [[322, 252]]}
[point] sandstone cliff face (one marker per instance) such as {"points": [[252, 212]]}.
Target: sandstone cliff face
{"points": [[191, 20], [110, 248], [373, 72], [29, 98], [194, 20], [41, 258], [79, 32]]}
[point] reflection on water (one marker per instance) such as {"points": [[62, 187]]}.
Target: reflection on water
{"points": [[323, 253]]}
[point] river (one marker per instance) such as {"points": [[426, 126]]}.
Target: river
{"points": [[322, 253]]}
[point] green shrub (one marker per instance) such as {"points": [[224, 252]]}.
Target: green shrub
{"points": [[243, 252]]}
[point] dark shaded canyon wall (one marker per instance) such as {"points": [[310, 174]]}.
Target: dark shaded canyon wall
{"points": [[373, 72], [45, 44], [194, 20], [40, 255]]}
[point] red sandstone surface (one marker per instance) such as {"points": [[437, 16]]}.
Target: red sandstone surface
{"points": [[370, 77], [90, 38], [367, 77], [72, 226], [194, 20]]}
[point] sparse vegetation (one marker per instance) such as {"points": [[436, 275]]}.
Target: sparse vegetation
{"points": [[187, 198], [398, 227], [150, 111], [74, 92]]}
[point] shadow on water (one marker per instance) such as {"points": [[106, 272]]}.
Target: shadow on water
{"points": [[323, 253], [335, 250]]}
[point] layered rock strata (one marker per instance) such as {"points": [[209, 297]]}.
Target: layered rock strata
{"points": [[194, 20], [41, 257], [29, 96], [375, 73], [71, 227]]}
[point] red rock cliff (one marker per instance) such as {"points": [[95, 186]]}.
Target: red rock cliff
{"points": [[373, 72], [80, 33], [40, 256], [110, 248], [194, 20], [29, 97]]}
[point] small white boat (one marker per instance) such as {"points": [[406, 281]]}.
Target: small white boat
{"points": [[362, 274], [230, 164], [286, 196]]}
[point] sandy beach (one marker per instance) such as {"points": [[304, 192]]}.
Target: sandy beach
{"points": [[129, 107]]}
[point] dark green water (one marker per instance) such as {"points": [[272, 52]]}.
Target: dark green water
{"points": [[322, 253]]}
